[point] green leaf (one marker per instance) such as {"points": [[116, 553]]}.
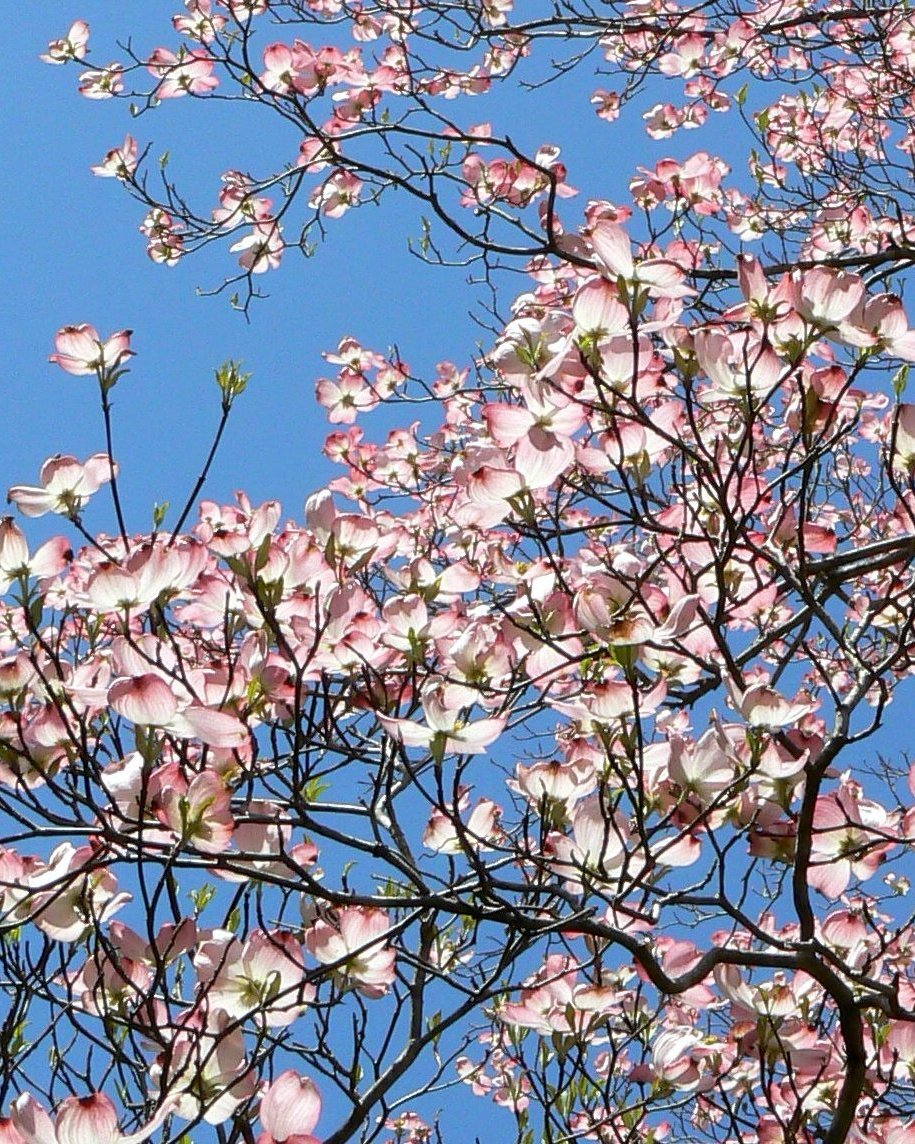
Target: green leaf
{"points": [[36, 611], [201, 898], [231, 381]]}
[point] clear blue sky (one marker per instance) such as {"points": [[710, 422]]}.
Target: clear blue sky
{"points": [[72, 253]]}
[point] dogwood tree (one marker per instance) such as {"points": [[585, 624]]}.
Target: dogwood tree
{"points": [[523, 776]]}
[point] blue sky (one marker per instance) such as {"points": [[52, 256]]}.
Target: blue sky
{"points": [[75, 255]]}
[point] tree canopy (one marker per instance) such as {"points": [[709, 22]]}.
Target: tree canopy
{"points": [[522, 779]]}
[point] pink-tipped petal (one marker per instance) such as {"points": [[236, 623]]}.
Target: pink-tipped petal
{"points": [[146, 700]]}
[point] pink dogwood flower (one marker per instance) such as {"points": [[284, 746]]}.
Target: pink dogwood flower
{"points": [[612, 249], [826, 297], [264, 975], [596, 849], [16, 562], [598, 311], [289, 1110], [852, 836], [73, 46], [354, 945], [346, 397], [200, 23], [147, 700], [337, 195], [80, 1120], [540, 431], [880, 323], [555, 1002], [184, 73], [118, 163], [165, 241], [204, 1071], [79, 349], [762, 706], [66, 485], [687, 1060], [445, 833], [195, 810], [102, 83], [262, 249], [71, 893], [445, 729], [703, 772]]}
